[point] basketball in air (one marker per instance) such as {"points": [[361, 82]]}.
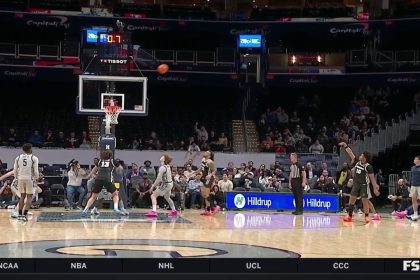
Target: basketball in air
{"points": [[163, 68]]}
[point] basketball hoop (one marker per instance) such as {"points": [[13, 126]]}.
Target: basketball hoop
{"points": [[111, 114]]}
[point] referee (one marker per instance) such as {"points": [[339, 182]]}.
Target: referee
{"points": [[297, 181]]}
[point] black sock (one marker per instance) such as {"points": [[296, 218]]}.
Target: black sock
{"points": [[20, 212], [350, 211], [366, 215], [208, 208], [25, 213]]}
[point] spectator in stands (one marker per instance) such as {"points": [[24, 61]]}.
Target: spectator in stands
{"points": [[189, 172], [316, 148], [217, 198], [134, 172], [324, 166], [49, 139], [61, 141], [202, 132], [251, 166], [36, 139], [380, 178], [76, 174], [149, 170], [229, 169], [223, 141], [401, 198], [330, 186], [300, 135], [194, 192], [203, 144], [225, 184], [141, 196], [86, 141], [343, 176], [282, 117], [281, 176], [6, 194], [11, 139], [154, 142], [135, 144], [73, 141], [213, 140], [294, 120], [321, 184], [179, 190], [311, 176], [193, 148]]}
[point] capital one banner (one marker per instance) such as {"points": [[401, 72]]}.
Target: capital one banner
{"points": [[281, 201]]}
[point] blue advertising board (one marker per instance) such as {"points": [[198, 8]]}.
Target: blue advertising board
{"points": [[281, 201], [249, 41]]}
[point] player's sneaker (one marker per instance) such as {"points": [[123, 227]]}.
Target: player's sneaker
{"points": [[414, 217], [126, 213], [207, 213], [23, 218], [151, 214], [173, 213], [216, 209], [394, 213], [83, 214], [348, 219], [119, 212], [15, 215], [94, 211], [401, 214], [376, 217]]}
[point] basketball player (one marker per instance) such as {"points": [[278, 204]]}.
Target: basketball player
{"points": [[362, 175], [162, 187], [208, 170], [104, 178], [25, 172], [415, 187]]}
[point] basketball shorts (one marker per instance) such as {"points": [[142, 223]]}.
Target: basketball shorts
{"points": [[415, 191], [26, 186], [164, 189], [360, 190], [99, 184]]}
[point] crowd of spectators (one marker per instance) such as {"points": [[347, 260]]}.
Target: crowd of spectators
{"points": [[310, 128]]}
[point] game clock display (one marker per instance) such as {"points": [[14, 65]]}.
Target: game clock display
{"points": [[113, 38]]}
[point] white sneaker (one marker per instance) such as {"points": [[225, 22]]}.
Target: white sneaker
{"points": [[414, 217], [15, 215], [94, 211]]}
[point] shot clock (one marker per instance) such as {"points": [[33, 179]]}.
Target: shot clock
{"points": [[114, 47]]}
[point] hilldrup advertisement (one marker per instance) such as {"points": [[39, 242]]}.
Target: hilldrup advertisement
{"points": [[281, 201]]}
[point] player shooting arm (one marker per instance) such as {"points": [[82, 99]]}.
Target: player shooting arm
{"points": [[348, 150]]}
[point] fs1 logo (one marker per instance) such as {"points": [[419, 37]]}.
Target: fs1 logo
{"points": [[411, 265], [239, 201]]}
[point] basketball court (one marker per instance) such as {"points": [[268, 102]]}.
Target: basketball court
{"points": [[53, 233]]}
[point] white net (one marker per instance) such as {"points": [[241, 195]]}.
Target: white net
{"points": [[111, 114]]}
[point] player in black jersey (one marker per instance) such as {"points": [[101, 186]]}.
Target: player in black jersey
{"points": [[362, 174], [208, 170], [104, 179]]}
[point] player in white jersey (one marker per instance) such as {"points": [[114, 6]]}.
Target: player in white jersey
{"points": [[163, 187], [25, 172]]}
